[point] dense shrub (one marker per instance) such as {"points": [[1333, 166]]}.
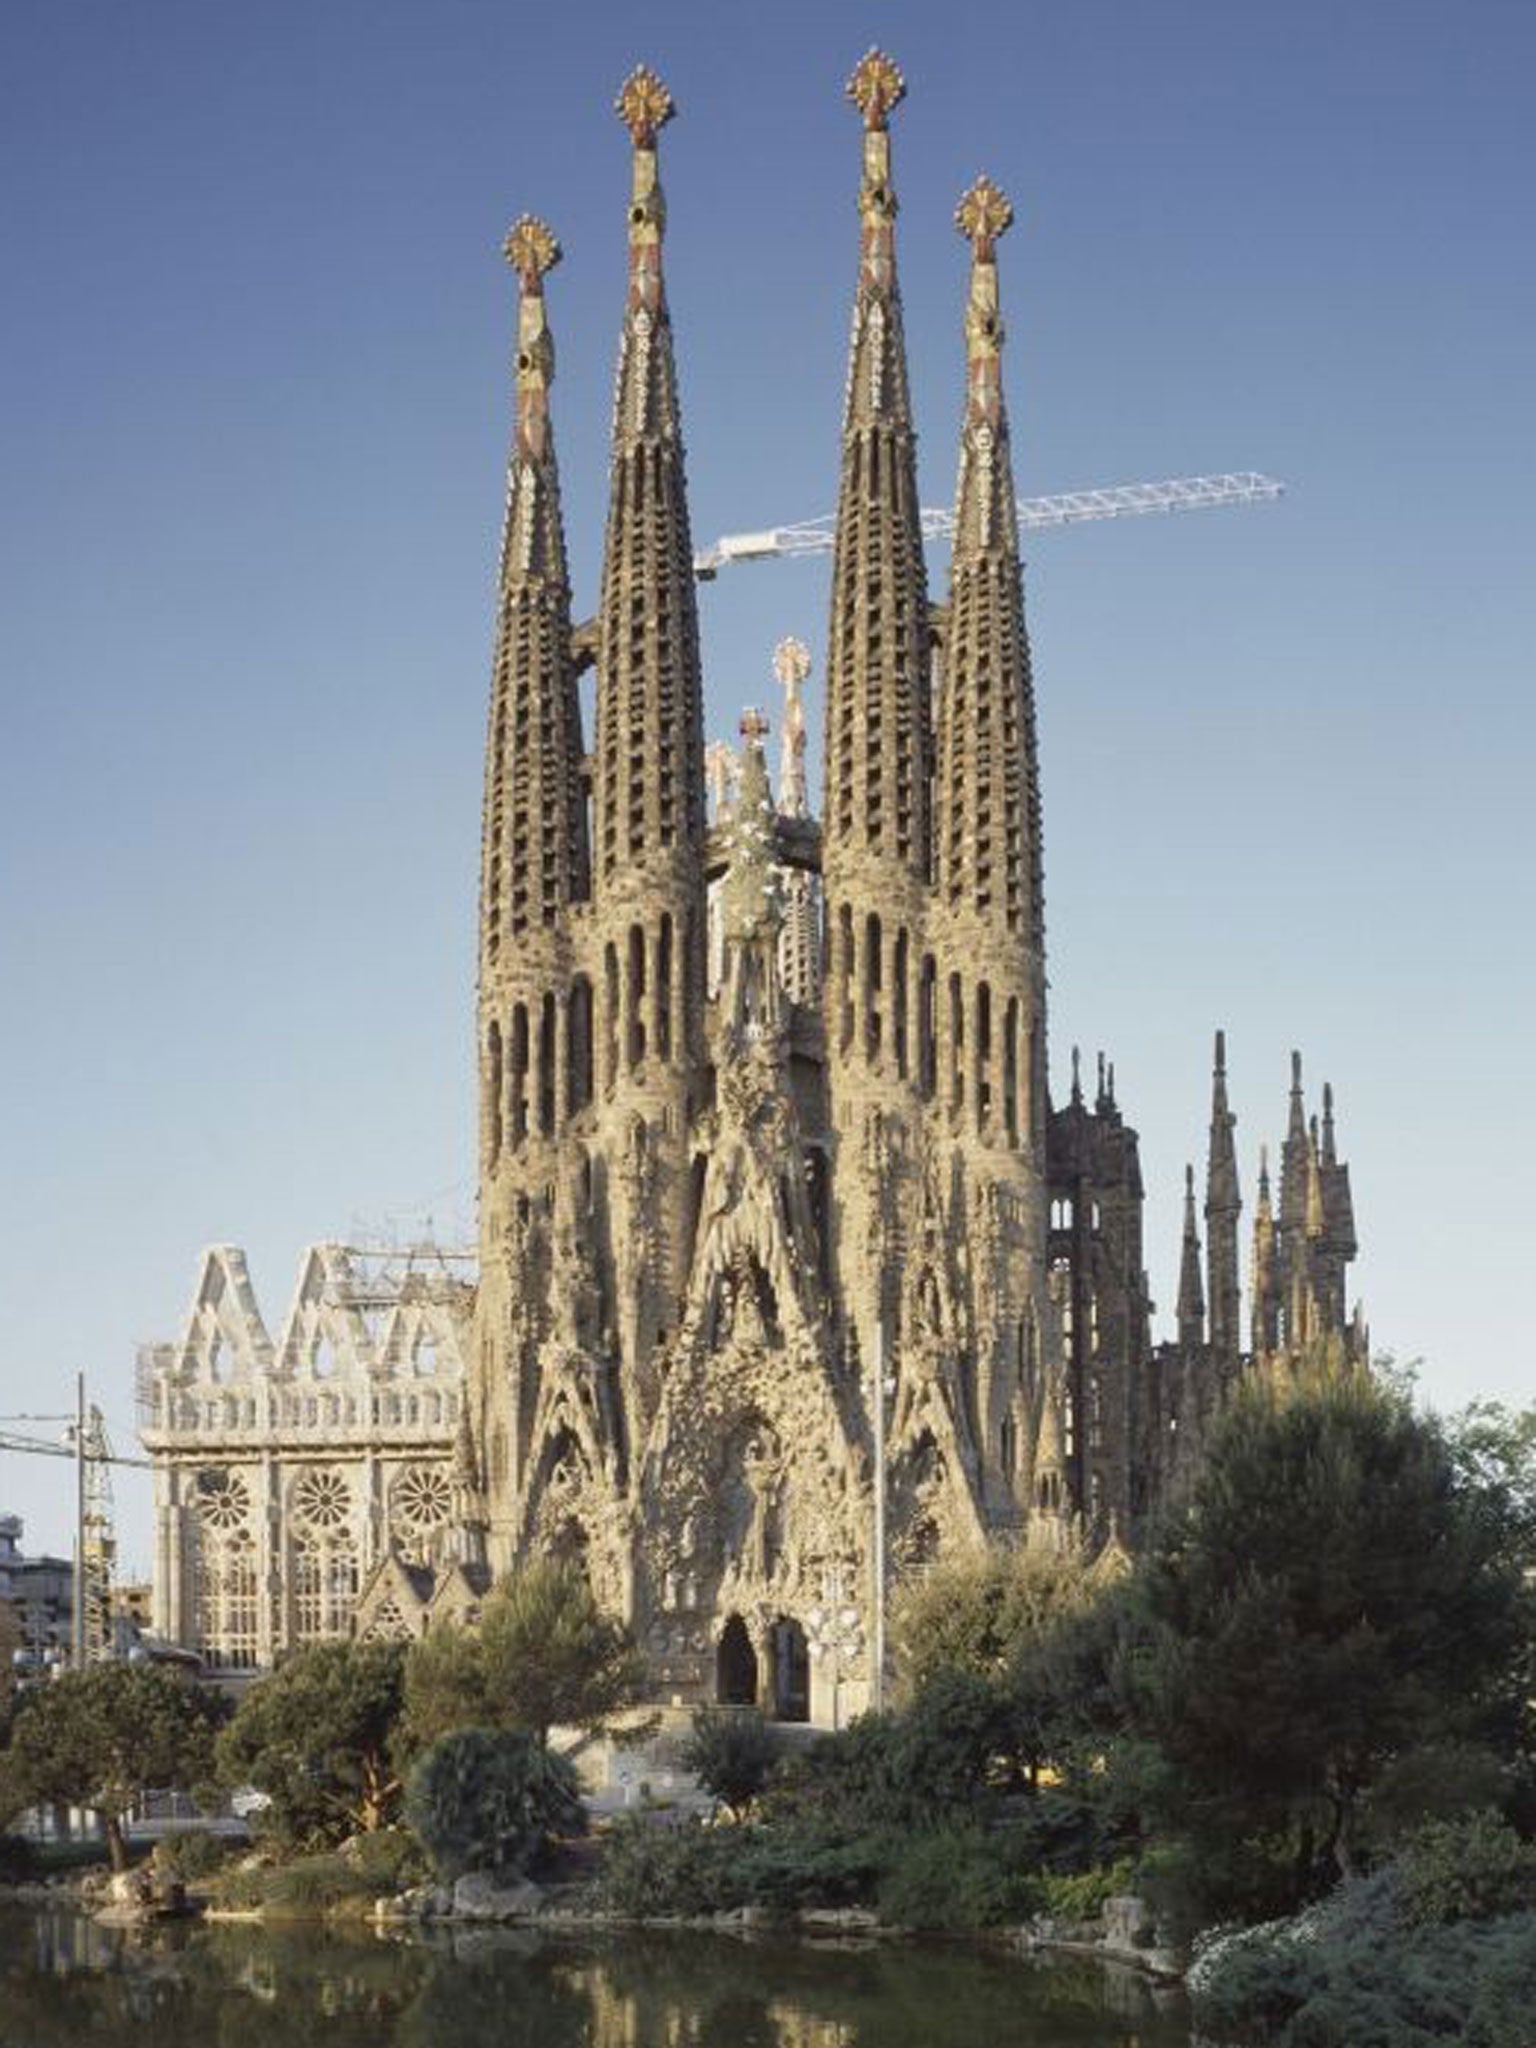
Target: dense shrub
{"points": [[929, 1766], [487, 1799], [192, 1853], [1472, 1869], [1077, 1895], [731, 1752], [690, 1871], [1353, 1969], [314, 1884], [652, 1870], [952, 1878], [390, 1860]]}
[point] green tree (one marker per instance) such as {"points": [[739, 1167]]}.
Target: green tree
{"points": [[445, 1689], [1337, 1591], [488, 1799], [99, 1738], [731, 1752], [315, 1737], [552, 1657], [979, 1610]]}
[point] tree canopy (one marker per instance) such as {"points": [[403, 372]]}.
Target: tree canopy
{"points": [[545, 1655], [99, 1738], [315, 1738], [1337, 1591], [978, 1610]]}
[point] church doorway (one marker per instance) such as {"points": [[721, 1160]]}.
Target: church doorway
{"points": [[791, 1672], [736, 1666]]}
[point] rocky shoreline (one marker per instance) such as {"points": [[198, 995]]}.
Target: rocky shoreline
{"points": [[133, 1899]]}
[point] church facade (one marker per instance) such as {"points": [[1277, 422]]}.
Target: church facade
{"points": [[791, 1274]]}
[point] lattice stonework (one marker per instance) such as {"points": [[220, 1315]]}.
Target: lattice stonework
{"points": [[322, 1500], [422, 1499], [223, 1499]]}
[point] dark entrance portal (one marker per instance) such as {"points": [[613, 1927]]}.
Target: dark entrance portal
{"points": [[736, 1666], [791, 1672]]}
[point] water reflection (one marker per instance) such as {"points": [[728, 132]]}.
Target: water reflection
{"points": [[63, 1981]]}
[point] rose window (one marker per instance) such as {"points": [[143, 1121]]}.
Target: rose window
{"points": [[321, 1500], [423, 1498], [223, 1499]]}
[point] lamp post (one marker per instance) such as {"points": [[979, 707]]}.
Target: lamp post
{"points": [[878, 1391]]}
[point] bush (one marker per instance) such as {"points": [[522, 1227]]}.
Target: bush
{"points": [[1078, 1894], [314, 1884], [731, 1752], [952, 1878], [487, 1800], [191, 1853], [1471, 1869], [1351, 1969], [391, 1860], [929, 1766], [651, 1870]]}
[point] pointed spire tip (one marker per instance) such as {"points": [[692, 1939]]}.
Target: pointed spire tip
{"points": [[644, 105], [876, 87]]}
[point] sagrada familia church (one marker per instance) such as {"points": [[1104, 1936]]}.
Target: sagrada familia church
{"points": [[792, 1276]]}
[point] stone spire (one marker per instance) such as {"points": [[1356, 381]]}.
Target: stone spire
{"points": [[792, 664], [1223, 1207], [800, 944], [1266, 1279], [989, 856], [535, 853], [877, 721], [1191, 1306], [650, 741], [752, 893]]}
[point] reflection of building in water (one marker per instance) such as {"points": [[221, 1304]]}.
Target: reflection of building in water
{"points": [[764, 1098], [287, 1472]]}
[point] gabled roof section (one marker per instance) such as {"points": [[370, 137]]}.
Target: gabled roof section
{"points": [[225, 1337]]}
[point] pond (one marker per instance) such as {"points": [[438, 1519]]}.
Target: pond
{"points": [[64, 1980]]}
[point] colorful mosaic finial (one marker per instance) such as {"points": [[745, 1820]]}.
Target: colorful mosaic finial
{"points": [[531, 249], [982, 216], [876, 87], [791, 661], [644, 105]]}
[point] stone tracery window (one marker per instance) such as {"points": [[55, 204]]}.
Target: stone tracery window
{"points": [[321, 1499], [421, 1507], [223, 1498]]}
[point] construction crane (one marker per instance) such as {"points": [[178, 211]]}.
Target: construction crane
{"points": [[95, 1543], [1118, 501]]}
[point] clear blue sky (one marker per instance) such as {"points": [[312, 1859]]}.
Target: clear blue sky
{"points": [[254, 405]]}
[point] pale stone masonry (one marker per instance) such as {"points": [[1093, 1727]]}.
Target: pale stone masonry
{"points": [[733, 1168], [287, 1471], [772, 1191]]}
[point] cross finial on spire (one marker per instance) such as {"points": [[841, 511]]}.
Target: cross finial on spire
{"points": [[645, 106], [753, 725], [982, 216], [875, 88], [531, 249]]}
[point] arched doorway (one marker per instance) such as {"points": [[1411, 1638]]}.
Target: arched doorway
{"points": [[736, 1666], [791, 1672]]}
